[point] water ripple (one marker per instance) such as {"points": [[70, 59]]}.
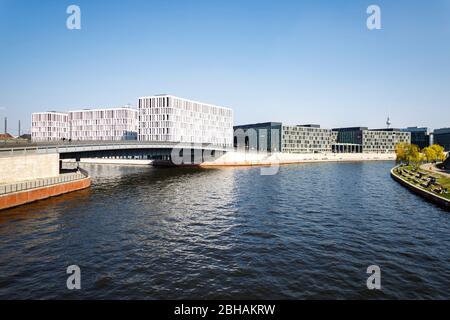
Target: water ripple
{"points": [[310, 231]]}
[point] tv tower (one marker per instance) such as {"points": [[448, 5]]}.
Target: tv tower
{"points": [[388, 122]]}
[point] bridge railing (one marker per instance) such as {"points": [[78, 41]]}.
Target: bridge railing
{"points": [[39, 183], [56, 147]]}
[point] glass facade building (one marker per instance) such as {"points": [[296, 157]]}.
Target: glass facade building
{"points": [[276, 137], [419, 136], [383, 140], [258, 137], [442, 138], [361, 139], [307, 139]]}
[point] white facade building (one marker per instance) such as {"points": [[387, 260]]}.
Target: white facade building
{"points": [[111, 124], [172, 119], [49, 126]]}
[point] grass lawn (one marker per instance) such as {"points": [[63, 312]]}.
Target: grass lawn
{"points": [[442, 180]]}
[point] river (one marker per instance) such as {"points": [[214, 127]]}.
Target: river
{"points": [[308, 232]]}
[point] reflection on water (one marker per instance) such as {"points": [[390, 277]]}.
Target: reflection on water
{"points": [[308, 232]]}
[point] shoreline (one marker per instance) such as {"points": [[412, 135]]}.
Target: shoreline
{"points": [[241, 159], [434, 198], [18, 198]]}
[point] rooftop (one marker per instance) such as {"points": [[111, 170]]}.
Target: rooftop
{"points": [[180, 98], [442, 131]]}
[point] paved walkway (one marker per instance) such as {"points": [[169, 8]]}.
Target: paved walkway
{"points": [[432, 168]]}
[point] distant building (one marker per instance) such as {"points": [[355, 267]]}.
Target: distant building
{"points": [[349, 140], [442, 137], [313, 139], [6, 136], [383, 140], [276, 137], [419, 136], [172, 119], [112, 124], [49, 126], [25, 136], [307, 139], [361, 139], [259, 136]]}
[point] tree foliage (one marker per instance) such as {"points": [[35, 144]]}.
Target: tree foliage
{"points": [[439, 150], [411, 154]]}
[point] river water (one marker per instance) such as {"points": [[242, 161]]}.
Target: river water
{"points": [[309, 231]]}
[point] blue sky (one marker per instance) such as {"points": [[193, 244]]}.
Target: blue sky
{"points": [[291, 61]]}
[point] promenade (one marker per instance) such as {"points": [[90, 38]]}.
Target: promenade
{"points": [[434, 169]]}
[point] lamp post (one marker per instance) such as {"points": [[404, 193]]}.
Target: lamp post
{"points": [[1, 116]]}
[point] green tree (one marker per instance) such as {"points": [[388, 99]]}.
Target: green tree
{"points": [[439, 151], [430, 154], [401, 151], [413, 156]]}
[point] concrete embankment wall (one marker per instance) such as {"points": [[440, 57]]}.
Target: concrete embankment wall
{"points": [[130, 162], [255, 159], [16, 168], [27, 196], [421, 192]]}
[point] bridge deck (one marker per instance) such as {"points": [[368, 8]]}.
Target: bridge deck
{"points": [[104, 148]]}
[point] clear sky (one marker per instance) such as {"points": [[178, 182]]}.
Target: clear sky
{"points": [[292, 61]]}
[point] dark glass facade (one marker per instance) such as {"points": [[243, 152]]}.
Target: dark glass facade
{"points": [[447, 163], [419, 136], [353, 135], [442, 138], [258, 137]]}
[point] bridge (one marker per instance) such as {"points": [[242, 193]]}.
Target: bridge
{"points": [[187, 153]]}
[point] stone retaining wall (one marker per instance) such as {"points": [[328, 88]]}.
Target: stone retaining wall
{"points": [[19, 198], [441, 201]]}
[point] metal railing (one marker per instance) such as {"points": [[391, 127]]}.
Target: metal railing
{"points": [[39, 183], [80, 146]]}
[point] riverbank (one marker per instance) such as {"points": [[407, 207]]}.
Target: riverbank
{"points": [[234, 159], [420, 183], [17, 194], [258, 159]]}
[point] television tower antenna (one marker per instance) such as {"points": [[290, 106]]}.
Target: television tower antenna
{"points": [[388, 122]]}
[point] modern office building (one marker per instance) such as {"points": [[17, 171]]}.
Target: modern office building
{"points": [[362, 139], [111, 124], [349, 140], [442, 137], [419, 136], [258, 137], [173, 119], [383, 140], [307, 139], [49, 126], [276, 137]]}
